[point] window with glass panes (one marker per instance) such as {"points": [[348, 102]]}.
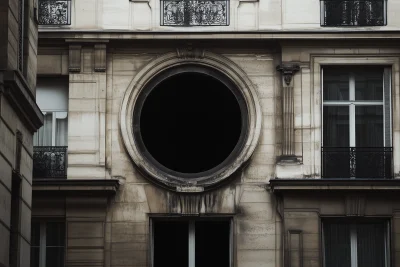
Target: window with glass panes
{"points": [[356, 121], [47, 244], [191, 243], [52, 98], [356, 243]]}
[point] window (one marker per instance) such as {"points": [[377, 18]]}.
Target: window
{"points": [[194, 243], [353, 12], [54, 12], [52, 98], [47, 244], [359, 243], [50, 141], [194, 13], [356, 122]]}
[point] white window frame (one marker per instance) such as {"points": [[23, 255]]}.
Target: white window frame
{"points": [[352, 103], [191, 239]]}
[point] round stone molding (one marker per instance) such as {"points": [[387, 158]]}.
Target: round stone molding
{"points": [[173, 63]]}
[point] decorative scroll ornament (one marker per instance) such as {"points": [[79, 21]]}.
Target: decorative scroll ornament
{"points": [[288, 72], [194, 13]]}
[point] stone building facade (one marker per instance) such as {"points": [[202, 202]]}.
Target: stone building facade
{"points": [[20, 117], [217, 133]]}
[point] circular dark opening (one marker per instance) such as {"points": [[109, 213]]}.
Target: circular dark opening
{"points": [[190, 122]]}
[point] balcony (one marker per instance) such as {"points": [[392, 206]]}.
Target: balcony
{"points": [[194, 13], [50, 162], [357, 162], [54, 12], [353, 12]]}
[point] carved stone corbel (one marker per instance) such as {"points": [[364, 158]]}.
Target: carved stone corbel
{"points": [[288, 149], [288, 72], [100, 52], [75, 58]]}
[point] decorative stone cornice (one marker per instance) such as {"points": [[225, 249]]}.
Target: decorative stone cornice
{"points": [[288, 71], [345, 185]]}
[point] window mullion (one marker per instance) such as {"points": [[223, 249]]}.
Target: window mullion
{"points": [[42, 250], [192, 244], [353, 245], [53, 129]]}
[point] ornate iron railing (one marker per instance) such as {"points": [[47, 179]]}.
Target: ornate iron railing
{"points": [[357, 162], [354, 12], [54, 12], [50, 162], [194, 13]]}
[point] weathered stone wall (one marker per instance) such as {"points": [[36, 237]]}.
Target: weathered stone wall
{"points": [[96, 150], [244, 15], [304, 213], [307, 96], [10, 124], [16, 130]]}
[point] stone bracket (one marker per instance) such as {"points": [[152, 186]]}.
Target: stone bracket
{"points": [[288, 71], [100, 52], [74, 58]]}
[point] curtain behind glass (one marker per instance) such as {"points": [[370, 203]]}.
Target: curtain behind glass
{"points": [[337, 245], [336, 126], [371, 245], [43, 136], [369, 126], [61, 131]]}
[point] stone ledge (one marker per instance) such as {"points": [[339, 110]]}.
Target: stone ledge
{"points": [[17, 91], [107, 187], [317, 34], [285, 185]]}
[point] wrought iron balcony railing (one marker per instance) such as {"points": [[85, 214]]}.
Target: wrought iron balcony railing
{"points": [[50, 162], [357, 162], [54, 12], [354, 12], [194, 13]]}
